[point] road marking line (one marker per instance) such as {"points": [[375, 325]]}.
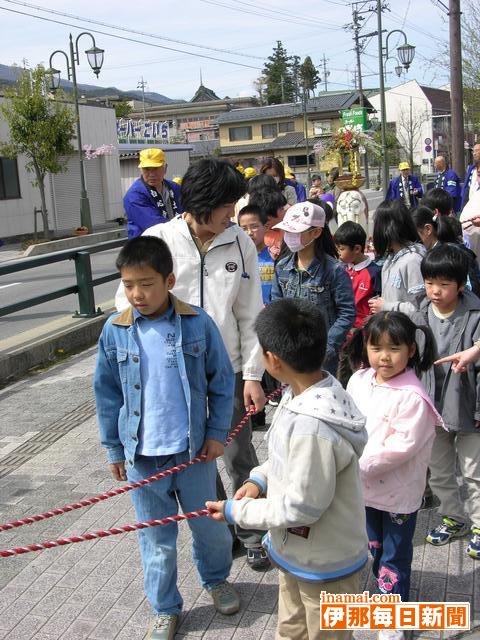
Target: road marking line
{"points": [[4, 286]]}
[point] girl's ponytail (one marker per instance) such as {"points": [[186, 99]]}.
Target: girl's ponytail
{"points": [[352, 357], [424, 360]]}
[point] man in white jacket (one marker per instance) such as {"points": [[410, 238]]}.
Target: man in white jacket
{"points": [[216, 267]]}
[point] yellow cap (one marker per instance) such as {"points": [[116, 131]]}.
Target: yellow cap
{"points": [[249, 172], [403, 165], [288, 173], [151, 158], [240, 169], [177, 180]]}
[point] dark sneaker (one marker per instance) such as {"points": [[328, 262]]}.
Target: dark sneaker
{"points": [[274, 402], [449, 529], [162, 627], [258, 559], [473, 549], [225, 599]]}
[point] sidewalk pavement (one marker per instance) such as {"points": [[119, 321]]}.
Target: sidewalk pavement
{"points": [[50, 456]]}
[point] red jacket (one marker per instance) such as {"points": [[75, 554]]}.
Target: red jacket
{"points": [[366, 283]]}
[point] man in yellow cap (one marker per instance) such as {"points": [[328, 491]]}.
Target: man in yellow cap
{"points": [[151, 199], [405, 187]]}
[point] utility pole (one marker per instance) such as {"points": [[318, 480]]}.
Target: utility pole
{"points": [[282, 87], [141, 85], [305, 127], [325, 73], [383, 108], [356, 29], [456, 88]]}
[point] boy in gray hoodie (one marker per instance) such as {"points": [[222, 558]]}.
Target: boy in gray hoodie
{"points": [[308, 492], [453, 315]]}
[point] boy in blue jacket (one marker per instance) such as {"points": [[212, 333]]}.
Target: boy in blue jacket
{"points": [[164, 391]]}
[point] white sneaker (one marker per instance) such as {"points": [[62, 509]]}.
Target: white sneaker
{"points": [[391, 634]]}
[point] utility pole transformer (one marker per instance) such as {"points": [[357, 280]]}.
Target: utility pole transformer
{"points": [[456, 89]]}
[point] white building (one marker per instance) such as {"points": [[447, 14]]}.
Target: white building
{"points": [[18, 197], [418, 114]]}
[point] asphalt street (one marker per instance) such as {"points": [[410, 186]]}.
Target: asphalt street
{"points": [[23, 285], [26, 284]]}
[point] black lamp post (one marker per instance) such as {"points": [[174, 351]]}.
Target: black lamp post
{"points": [[406, 53], [95, 60]]}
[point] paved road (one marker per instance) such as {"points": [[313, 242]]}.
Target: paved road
{"points": [[24, 285], [50, 452]]}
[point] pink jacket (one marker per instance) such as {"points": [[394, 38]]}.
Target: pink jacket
{"points": [[401, 422]]}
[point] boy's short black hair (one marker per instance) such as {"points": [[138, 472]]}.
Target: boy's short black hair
{"points": [[350, 234], [268, 201], [253, 210], [447, 261], [438, 199], [295, 331], [208, 184], [146, 251]]}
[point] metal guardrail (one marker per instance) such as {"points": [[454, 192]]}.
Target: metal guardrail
{"points": [[83, 270]]}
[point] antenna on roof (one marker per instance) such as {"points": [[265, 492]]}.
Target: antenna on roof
{"points": [[201, 81]]}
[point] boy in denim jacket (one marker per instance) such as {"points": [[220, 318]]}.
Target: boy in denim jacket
{"points": [[164, 392]]}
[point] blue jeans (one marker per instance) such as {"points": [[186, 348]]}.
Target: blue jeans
{"points": [[390, 539], [212, 542]]}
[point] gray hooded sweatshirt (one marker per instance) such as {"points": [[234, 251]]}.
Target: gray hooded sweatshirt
{"points": [[314, 508]]}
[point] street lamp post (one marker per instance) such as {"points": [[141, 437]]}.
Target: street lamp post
{"points": [[406, 53], [95, 60]]}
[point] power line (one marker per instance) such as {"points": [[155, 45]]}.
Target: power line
{"points": [[118, 37], [141, 33], [289, 20]]}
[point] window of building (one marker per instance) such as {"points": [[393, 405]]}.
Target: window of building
{"points": [[236, 134], [9, 183], [269, 130], [286, 127], [301, 161], [322, 127]]}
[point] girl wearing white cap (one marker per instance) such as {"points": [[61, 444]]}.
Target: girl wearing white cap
{"points": [[312, 271]]}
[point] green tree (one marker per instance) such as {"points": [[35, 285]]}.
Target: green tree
{"points": [[122, 109], [297, 81], [309, 76], [40, 128], [279, 82]]}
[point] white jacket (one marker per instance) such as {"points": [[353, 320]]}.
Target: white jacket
{"points": [[225, 283], [313, 508]]}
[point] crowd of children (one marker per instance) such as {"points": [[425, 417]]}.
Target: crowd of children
{"points": [[346, 468]]}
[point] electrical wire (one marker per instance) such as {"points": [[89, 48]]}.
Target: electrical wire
{"points": [[289, 20], [118, 28], [114, 35]]}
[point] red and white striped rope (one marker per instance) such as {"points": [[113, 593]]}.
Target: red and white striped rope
{"points": [[115, 492], [60, 542]]}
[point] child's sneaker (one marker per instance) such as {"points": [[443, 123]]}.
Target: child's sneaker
{"points": [[225, 599], [473, 549], [162, 627], [449, 529]]}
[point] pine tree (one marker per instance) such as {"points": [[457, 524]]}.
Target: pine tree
{"points": [[309, 76], [297, 81], [277, 71]]}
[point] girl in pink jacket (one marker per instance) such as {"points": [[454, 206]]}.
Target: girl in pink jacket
{"points": [[401, 421]]}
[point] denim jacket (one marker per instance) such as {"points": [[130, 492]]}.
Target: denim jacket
{"points": [[324, 283], [205, 371]]}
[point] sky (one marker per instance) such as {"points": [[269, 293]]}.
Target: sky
{"points": [[230, 31]]}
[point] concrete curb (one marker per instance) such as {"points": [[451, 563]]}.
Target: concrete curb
{"points": [[74, 242], [42, 347]]}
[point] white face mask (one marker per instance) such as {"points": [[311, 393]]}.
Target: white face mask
{"points": [[277, 179], [294, 241]]}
